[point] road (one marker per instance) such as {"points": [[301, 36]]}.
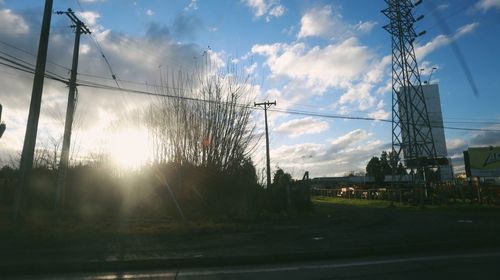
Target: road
{"points": [[481, 265]]}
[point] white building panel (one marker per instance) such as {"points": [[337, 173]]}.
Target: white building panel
{"points": [[433, 104]]}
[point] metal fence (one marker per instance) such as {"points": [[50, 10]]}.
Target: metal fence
{"points": [[442, 194]]}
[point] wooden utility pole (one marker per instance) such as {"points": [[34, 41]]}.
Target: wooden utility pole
{"points": [[27, 154], [63, 163], [266, 105]]}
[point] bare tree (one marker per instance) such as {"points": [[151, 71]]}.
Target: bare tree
{"points": [[204, 119]]}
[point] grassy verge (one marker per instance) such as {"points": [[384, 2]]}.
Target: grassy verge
{"points": [[365, 203], [335, 225]]}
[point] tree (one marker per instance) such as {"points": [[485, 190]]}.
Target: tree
{"points": [[379, 167], [396, 164], [373, 168], [203, 120], [385, 166], [401, 170], [281, 178], [202, 136], [279, 192]]}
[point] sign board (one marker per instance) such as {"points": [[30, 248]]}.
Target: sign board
{"points": [[484, 162]]}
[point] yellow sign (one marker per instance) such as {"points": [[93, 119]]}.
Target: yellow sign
{"points": [[485, 162]]}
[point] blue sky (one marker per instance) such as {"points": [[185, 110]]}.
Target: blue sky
{"points": [[331, 57]]}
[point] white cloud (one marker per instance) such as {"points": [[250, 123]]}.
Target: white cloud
{"points": [[327, 22], [149, 12], [249, 70], [421, 51], [276, 12], [349, 139], [359, 94], [347, 69], [12, 23], [268, 8], [273, 94], [347, 152], [289, 31], [366, 26], [89, 17], [298, 127], [455, 143], [332, 66], [320, 22], [380, 114], [443, 6], [193, 5], [84, 49], [216, 59], [377, 71], [259, 7], [485, 5]]}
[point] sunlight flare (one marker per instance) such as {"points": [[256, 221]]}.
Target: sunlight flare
{"points": [[130, 148]]}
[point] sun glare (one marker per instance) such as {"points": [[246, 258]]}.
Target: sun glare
{"points": [[130, 148]]}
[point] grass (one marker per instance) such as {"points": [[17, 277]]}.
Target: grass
{"points": [[365, 203], [335, 225], [359, 211], [353, 202]]}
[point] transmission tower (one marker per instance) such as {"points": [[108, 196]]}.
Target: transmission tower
{"points": [[412, 138]]}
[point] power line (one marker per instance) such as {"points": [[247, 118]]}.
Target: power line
{"points": [[100, 50], [33, 55], [468, 120], [27, 69], [313, 114], [90, 84], [278, 110]]}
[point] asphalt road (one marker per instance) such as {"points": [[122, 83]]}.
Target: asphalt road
{"points": [[481, 265]]}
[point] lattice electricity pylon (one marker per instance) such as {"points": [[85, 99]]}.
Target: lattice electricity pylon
{"points": [[411, 128]]}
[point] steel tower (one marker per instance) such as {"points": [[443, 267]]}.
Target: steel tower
{"points": [[412, 138]]}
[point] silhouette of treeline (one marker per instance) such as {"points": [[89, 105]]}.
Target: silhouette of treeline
{"points": [[201, 167], [162, 190]]}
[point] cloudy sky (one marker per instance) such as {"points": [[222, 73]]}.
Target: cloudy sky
{"points": [[326, 57]]}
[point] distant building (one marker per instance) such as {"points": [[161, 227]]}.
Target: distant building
{"points": [[433, 104]]}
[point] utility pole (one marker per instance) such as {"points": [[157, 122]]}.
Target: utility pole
{"points": [[63, 163], [266, 105], [27, 154]]}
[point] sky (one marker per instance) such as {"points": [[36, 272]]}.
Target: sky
{"points": [[326, 57]]}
